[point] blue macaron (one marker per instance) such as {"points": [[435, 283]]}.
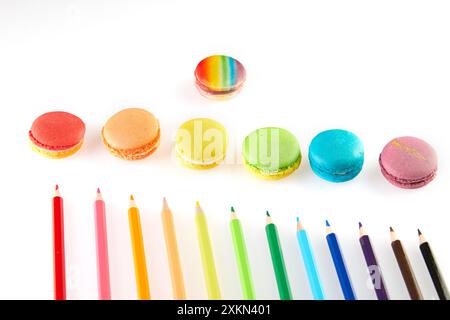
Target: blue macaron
{"points": [[336, 155]]}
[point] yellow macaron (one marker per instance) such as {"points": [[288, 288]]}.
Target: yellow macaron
{"points": [[201, 143]]}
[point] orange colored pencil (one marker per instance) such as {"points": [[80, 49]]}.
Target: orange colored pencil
{"points": [[137, 243], [176, 273]]}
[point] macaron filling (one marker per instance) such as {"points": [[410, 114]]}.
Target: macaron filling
{"points": [[274, 172], [338, 176], [194, 162], [408, 183], [136, 153], [49, 147], [205, 89]]}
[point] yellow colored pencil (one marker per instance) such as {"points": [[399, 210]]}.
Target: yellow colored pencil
{"points": [[206, 252], [176, 273], [137, 243]]}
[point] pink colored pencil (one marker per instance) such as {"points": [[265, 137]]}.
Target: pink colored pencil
{"points": [[104, 288]]}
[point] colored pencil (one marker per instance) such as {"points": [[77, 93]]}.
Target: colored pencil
{"points": [[433, 268], [405, 267], [309, 262], [372, 265], [206, 252], [176, 272], [276, 253], [339, 264], [243, 264], [137, 243], [101, 237], [59, 264]]}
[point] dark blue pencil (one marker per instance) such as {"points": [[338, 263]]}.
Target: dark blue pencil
{"points": [[339, 264]]}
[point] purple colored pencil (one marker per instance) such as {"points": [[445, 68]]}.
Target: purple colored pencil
{"points": [[372, 265]]}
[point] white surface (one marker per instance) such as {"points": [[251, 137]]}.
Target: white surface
{"points": [[380, 69]]}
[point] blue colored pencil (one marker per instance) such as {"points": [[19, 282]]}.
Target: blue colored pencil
{"points": [[310, 263], [339, 264]]}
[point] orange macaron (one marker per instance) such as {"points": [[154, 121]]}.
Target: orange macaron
{"points": [[131, 134]]}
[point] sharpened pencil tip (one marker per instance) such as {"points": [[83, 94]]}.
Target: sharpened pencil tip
{"points": [[360, 225], [56, 188], [98, 190], [327, 223], [232, 209], [267, 213], [419, 232], [298, 219], [197, 204], [131, 198], [391, 229], [165, 205]]}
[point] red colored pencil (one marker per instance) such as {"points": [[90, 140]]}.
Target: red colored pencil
{"points": [[58, 247]]}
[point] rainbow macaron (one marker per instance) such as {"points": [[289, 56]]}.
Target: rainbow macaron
{"points": [[408, 162], [271, 153], [201, 143], [131, 134], [57, 134], [336, 155], [219, 76]]}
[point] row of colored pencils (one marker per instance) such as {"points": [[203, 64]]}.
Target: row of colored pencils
{"points": [[241, 254]]}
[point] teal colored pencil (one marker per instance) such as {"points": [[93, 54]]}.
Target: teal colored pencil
{"points": [[310, 263]]}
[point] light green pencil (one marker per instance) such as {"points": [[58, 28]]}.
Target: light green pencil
{"points": [[240, 249], [209, 267]]}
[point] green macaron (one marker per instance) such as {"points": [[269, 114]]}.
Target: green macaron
{"points": [[271, 153]]}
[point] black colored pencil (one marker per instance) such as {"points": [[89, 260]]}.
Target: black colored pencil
{"points": [[433, 268]]}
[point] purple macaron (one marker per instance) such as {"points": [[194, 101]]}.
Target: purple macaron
{"points": [[408, 162]]}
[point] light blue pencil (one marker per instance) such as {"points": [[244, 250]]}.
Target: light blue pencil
{"points": [[310, 264]]}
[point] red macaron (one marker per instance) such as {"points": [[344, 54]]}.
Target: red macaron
{"points": [[57, 134]]}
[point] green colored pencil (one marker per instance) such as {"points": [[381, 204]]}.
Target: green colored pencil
{"points": [[240, 249], [279, 268]]}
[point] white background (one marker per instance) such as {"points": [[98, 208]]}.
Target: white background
{"points": [[378, 68]]}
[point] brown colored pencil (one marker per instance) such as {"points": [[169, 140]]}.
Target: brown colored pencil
{"points": [[405, 267]]}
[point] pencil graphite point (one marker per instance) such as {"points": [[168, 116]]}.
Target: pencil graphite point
{"points": [[57, 193], [360, 225], [165, 205], [232, 209], [391, 229], [298, 219], [99, 195], [197, 204], [419, 232], [267, 213], [131, 197], [327, 223]]}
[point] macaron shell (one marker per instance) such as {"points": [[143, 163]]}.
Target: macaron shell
{"points": [[271, 152], [408, 162], [201, 143], [336, 155], [219, 73], [130, 129], [57, 130]]}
